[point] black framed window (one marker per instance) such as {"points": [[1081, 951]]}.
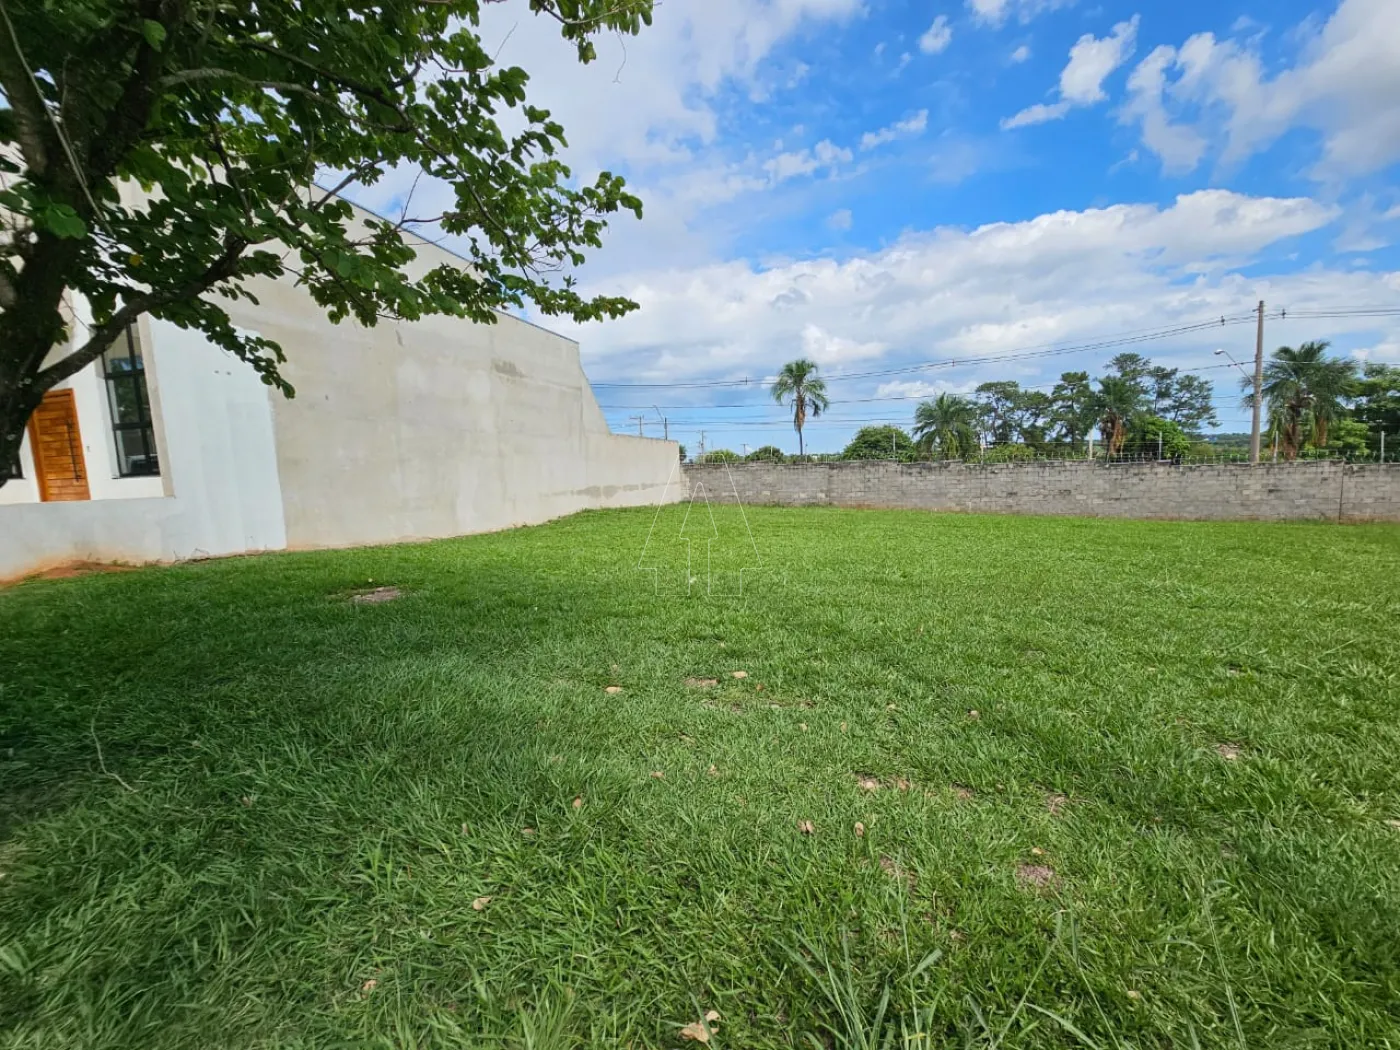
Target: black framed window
{"points": [[125, 371]]}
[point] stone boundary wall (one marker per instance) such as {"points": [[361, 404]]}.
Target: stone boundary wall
{"points": [[1328, 491]]}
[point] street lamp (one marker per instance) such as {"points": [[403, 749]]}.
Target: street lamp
{"points": [[1243, 371], [1241, 367]]}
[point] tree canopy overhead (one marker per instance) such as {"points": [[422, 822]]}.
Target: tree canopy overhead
{"points": [[246, 120]]}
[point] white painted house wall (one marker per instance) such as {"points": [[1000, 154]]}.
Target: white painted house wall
{"points": [[99, 447], [214, 433], [434, 428]]}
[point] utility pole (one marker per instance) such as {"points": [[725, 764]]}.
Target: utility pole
{"points": [[1258, 387], [1159, 444], [665, 423], [640, 420], [702, 442]]}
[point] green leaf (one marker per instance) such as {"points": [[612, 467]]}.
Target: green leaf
{"points": [[154, 33], [62, 221]]}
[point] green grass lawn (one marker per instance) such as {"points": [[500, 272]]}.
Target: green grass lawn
{"points": [[1026, 782]]}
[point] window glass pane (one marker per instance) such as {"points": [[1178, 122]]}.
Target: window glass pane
{"points": [[123, 357], [128, 404], [132, 454]]}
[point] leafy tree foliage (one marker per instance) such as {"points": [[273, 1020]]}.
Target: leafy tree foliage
{"points": [[1377, 406], [999, 402], [1006, 454], [1073, 412], [1150, 435], [721, 455], [1034, 409], [230, 112], [1188, 401], [766, 454], [1134, 369], [1350, 437], [881, 442]]}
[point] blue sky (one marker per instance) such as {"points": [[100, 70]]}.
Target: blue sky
{"points": [[879, 183]]}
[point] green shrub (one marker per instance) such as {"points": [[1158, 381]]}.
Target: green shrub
{"points": [[1142, 438], [720, 455], [884, 442], [1006, 454], [766, 454]]}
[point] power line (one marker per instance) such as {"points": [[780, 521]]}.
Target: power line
{"points": [[889, 397], [1035, 350], [1126, 338]]}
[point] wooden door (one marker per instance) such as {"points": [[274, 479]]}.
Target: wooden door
{"points": [[58, 448]]}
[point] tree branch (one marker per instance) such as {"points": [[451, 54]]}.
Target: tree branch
{"points": [[570, 23], [103, 335], [30, 109]]}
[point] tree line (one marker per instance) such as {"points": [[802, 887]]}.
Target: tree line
{"points": [[1314, 404]]}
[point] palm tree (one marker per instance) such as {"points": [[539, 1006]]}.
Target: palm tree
{"points": [[1304, 391], [799, 385], [946, 425], [1117, 401]]}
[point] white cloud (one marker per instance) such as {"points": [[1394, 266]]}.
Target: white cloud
{"points": [[903, 62], [645, 96], [937, 37], [1020, 54], [955, 292], [1180, 147], [648, 104], [913, 388], [827, 349], [824, 155], [1091, 60], [914, 125], [996, 12], [1343, 86], [1037, 114], [839, 220]]}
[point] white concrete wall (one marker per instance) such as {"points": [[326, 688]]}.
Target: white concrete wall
{"points": [[438, 427], [217, 458]]}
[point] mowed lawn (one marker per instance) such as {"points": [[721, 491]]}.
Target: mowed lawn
{"points": [[988, 781]]}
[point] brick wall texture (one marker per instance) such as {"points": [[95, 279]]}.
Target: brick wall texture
{"points": [[1217, 492]]}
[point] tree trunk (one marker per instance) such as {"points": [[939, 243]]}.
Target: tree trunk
{"points": [[17, 403], [30, 327]]}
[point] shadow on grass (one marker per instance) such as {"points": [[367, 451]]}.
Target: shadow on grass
{"points": [[313, 783]]}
